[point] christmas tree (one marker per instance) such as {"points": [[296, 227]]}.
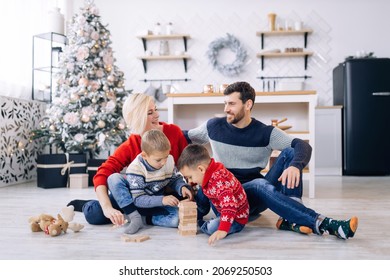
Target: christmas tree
{"points": [[86, 112]]}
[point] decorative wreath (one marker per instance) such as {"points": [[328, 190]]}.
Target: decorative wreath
{"points": [[233, 44]]}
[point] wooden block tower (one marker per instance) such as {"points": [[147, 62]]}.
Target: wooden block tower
{"points": [[187, 218]]}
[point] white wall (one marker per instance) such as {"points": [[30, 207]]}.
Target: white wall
{"points": [[340, 29], [347, 26]]}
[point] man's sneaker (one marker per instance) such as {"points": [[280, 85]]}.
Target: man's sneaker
{"points": [[283, 224]]}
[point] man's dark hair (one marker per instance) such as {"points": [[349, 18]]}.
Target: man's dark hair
{"points": [[247, 92]]}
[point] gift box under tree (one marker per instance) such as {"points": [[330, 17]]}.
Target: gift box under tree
{"points": [[92, 167], [53, 169]]}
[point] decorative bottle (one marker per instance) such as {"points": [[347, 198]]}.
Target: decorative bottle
{"points": [[168, 28], [164, 47], [157, 29]]}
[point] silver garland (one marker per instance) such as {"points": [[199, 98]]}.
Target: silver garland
{"points": [[234, 45]]}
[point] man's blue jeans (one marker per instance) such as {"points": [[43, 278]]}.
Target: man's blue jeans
{"points": [[268, 192]]}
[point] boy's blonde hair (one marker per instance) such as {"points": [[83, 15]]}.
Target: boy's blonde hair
{"points": [[155, 140], [192, 156], [135, 112]]}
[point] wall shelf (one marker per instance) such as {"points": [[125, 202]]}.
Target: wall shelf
{"points": [[304, 54], [304, 32], [145, 59], [145, 38]]}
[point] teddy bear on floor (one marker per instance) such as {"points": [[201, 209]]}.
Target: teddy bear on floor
{"points": [[53, 226]]}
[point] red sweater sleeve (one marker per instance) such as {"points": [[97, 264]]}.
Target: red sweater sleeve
{"points": [[120, 159]]}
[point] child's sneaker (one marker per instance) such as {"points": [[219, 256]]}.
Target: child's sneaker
{"points": [[340, 228], [283, 224]]}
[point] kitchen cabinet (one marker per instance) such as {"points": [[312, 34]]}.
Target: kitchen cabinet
{"points": [[329, 140], [145, 58], [189, 110]]}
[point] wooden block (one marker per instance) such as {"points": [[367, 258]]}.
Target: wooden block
{"points": [[187, 204], [188, 212], [137, 238], [187, 232], [187, 217], [188, 222], [188, 228]]}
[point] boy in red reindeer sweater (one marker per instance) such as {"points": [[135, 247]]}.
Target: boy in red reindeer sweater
{"points": [[218, 186]]}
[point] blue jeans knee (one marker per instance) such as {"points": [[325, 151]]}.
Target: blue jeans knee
{"points": [[120, 189], [282, 162], [93, 212]]}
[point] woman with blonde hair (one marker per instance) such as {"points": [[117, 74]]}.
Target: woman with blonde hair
{"points": [[141, 115]]}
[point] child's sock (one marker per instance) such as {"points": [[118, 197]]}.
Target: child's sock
{"points": [[340, 228], [135, 222], [283, 224]]}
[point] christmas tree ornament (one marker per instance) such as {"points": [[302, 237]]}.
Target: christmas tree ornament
{"points": [[83, 82], [101, 124], [85, 118], [121, 126]]}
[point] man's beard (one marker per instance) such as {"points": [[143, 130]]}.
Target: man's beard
{"points": [[236, 118]]}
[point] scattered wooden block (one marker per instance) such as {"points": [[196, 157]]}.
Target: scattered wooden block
{"points": [[137, 238]]}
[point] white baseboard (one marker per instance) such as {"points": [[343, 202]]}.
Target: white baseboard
{"points": [[328, 171]]}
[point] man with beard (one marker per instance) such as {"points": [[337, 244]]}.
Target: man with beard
{"points": [[244, 145]]}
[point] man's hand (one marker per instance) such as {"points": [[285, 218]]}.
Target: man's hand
{"points": [[290, 177], [219, 234]]}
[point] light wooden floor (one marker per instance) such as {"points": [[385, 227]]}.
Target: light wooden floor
{"points": [[337, 197]]}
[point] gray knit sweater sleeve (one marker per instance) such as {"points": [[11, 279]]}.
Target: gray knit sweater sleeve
{"points": [[279, 140]]}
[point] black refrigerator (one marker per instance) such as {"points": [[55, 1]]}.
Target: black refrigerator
{"points": [[362, 87]]}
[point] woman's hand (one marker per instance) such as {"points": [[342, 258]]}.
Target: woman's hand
{"points": [[115, 216]]}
